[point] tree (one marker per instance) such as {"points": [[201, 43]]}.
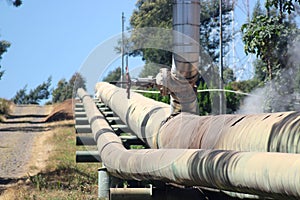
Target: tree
{"points": [[67, 89], [60, 93], [210, 27], [204, 100], [150, 69], [228, 75], [114, 75], [20, 96], [267, 35], [158, 13], [34, 96], [75, 82], [257, 10], [4, 45], [16, 3]]}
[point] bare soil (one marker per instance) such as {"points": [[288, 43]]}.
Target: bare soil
{"points": [[23, 140]]}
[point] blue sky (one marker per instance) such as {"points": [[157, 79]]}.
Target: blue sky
{"points": [[53, 38], [56, 38]]}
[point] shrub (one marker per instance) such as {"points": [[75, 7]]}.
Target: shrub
{"points": [[4, 106]]}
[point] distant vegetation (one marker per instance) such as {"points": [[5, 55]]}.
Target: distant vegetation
{"points": [[4, 108], [35, 96], [67, 89], [63, 91], [114, 75], [4, 45]]}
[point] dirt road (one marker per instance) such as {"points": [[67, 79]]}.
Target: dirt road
{"points": [[21, 140]]}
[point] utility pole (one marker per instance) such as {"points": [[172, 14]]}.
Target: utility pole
{"points": [[122, 50], [221, 61]]}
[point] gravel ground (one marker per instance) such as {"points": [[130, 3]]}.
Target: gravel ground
{"points": [[17, 136]]}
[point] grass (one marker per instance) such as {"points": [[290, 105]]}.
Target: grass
{"points": [[62, 178]]}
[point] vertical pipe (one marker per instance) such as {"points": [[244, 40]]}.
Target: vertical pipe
{"points": [[122, 49], [186, 22], [103, 183]]}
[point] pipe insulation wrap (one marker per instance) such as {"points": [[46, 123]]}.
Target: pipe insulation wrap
{"points": [[262, 173], [142, 115], [268, 132]]}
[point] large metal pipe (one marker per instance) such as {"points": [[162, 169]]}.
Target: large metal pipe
{"points": [[248, 172], [142, 115], [274, 132], [184, 75], [186, 20]]}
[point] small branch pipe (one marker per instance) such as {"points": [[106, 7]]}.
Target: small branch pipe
{"points": [[267, 174], [275, 132]]}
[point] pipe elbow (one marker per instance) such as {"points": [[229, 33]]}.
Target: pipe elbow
{"points": [[182, 91]]}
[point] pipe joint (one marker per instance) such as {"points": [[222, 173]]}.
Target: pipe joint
{"points": [[182, 91]]}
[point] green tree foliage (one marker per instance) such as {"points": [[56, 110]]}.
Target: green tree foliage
{"points": [[152, 13], [114, 75], [158, 13], [41, 92], [61, 92], [232, 100], [269, 35], [150, 69], [77, 81], [4, 45], [16, 3], [67, 89], [257, 10], [157, 97], [267, 38], [210, 27], [204, 101], [282, 6], [228, 75]]}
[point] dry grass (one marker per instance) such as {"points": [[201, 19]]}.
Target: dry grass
{"points": [[62, 177], [61, 111]]}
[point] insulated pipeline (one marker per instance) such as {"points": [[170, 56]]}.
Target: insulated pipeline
{"points": [[260, 173], [274, 132]]}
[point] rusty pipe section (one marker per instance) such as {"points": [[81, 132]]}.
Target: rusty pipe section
{"points": [[275, 132], [258, 173], [182, 80]]}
